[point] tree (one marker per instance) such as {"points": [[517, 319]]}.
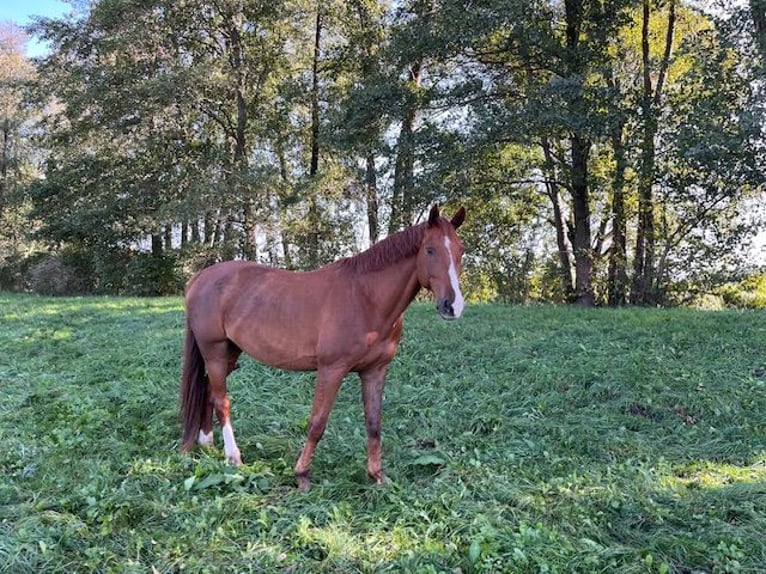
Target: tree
{"points": [[288, 132], [715, 122], [758, 13], [653, 68], [540, 69], [170, 95], [651, 101], [15, 74], [366, 41], [18, 161]]}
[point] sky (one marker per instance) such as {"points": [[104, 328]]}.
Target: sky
{"points": [[20, 12]]}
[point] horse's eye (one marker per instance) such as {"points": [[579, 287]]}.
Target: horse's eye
{"points": [[430, 250]]}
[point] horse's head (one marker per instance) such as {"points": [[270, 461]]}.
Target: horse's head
{"points": [[440, 262]]}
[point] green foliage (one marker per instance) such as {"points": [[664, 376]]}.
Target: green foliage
{"points": [[112, 272], [748, 294], [518, 439], [150, 274], [221, 128]]}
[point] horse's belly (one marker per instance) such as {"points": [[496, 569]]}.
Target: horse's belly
{"points": [[278, 335], [307, 363], [284, 356]]}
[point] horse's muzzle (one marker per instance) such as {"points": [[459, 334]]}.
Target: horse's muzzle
{"points": [[445, 309]]}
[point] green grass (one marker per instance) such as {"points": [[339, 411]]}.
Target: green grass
{"points": [[536, 439]]}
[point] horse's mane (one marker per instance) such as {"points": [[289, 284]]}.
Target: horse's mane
{"points": [[393, 248]]}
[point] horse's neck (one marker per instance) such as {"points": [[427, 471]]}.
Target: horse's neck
{"points": [[394, 288]]}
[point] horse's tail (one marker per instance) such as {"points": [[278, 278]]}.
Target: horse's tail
{"points": [[194, 390]]}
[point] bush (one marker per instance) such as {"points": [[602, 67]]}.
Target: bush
{"points": [[747, 294], [148, 274], [13, 273], [52, 276], [709, 302], [107, 272]]}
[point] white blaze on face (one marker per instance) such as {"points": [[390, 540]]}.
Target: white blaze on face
{"points": [[458, 304]]}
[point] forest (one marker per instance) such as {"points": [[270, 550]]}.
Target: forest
{"points": [[608, 152]]}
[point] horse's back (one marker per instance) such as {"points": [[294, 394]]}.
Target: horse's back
{"points": [[214, 284]]}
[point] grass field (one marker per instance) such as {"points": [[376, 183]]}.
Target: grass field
{"points": [[536, 439]]}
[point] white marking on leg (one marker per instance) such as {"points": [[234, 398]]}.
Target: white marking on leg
{"points": [[205, 439], [230, 445], [458, 304]]}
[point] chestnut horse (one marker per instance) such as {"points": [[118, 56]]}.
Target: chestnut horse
{"points": [[345, 317]]}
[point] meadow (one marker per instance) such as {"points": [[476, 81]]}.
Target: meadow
{"points": [[518, 439]]}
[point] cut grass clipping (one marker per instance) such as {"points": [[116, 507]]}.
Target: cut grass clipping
{"points": [[535, 439]]}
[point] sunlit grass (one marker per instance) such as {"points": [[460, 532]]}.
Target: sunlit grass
{"points": [[516, 440], [706, 474]]}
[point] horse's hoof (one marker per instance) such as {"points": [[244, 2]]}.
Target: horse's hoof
{"points": [[304, 484], [205, 439], [380, 479]]}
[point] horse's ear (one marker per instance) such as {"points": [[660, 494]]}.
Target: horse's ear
{"points": [[433, 216], [458, 218]]}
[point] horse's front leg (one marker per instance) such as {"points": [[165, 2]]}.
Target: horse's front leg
{"points": [[327, 385], [373, 381]]}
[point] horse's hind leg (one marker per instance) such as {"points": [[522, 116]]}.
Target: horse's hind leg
{"points": [[206, 428], [218, 368]]}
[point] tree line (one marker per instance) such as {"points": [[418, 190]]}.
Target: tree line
{"points": [[608, 152]]}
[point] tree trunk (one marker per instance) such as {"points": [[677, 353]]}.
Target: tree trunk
{"points": [[401, 200], [313, 238], [758, 13], [559, 223], [369, 46], [644, 291], [195, 236], [580, 150], [285, 177], [210, 229], [371, 191], [228, 241], [156, 245], [314, 166], [617, 280], [581, 209], [238, 175], [250, 229], [5, 161]]}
